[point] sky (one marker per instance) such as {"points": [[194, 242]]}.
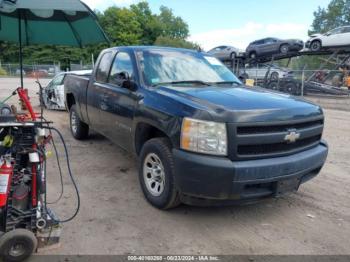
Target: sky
{"points": [[235, 22]]}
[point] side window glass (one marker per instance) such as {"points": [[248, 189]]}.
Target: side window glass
{"points": [[122, 63], [58, 80], [103, 68]]}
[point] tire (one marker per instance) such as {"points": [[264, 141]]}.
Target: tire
{"points": [[274, 76], [156, 174], [316, 45], [273, 86], [252, 55], [17, 245], [291, 88], [284, 49], [79, 129]]}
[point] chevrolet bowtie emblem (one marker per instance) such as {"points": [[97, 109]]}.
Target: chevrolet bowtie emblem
{"points": [[292, 137]]}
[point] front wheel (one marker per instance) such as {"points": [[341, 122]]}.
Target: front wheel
{"points": [[156, 174], [79, 129], [284, 49], [316, 46]]}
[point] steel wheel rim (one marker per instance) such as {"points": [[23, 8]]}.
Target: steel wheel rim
{"points": [[154, 174], [18, 249], [315, 45], [74, 124], [284, 49]]}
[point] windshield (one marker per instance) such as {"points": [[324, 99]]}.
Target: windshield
{"points": [[187, 67]]}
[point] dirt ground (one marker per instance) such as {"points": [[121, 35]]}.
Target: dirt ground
{"points": [[115, 218]]}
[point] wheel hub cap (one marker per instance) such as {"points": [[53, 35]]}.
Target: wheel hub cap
{"points": [[74, 122], [153, 174]]}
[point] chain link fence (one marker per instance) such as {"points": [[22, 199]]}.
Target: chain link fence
{"points": [[298, 82], [39, 70]]}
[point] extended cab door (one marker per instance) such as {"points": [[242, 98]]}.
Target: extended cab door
{"points": [[118, 113], [96, 91]]}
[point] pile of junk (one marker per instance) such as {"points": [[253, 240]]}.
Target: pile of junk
{"points": [[26, 222]]}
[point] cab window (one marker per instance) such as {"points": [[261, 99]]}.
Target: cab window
{"points": [[103, 68], [122, 64]]}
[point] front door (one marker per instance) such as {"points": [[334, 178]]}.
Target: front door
{"points": [[118, 111]]}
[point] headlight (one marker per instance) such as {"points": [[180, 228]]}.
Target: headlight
{"points": [[204, 137]]}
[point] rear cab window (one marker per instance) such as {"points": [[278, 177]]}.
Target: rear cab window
{"points": [[104, 66]]}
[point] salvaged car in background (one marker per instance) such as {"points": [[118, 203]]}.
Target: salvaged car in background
{"points": [[52, 96], [224, 52], [272, 46], [259, 71], [334, 38]]}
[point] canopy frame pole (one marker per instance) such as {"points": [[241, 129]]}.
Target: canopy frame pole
{"points": [[20, 45]]}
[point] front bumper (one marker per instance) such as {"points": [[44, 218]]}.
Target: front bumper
{"points": [[215, 178]]}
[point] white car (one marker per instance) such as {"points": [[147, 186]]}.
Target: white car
{"points": [[52, 96], [337, 37]]}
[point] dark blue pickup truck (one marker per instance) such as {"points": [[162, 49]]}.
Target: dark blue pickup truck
{"points": [[201, 137]]}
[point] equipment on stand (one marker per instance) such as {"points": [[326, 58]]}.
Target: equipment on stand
{"points": [[26, 223]]}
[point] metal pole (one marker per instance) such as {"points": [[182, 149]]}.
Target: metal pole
{"points": [[302, 81], [20, 45]]}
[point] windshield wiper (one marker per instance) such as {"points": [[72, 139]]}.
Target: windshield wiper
{"points": [[227, 83], [195, 82]]}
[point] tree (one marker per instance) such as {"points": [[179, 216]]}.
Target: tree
{"points": [[150, 24], [122, 26], [336, 14], [172, 26], [175, 42]]}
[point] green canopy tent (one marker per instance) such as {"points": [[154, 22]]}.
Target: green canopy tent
{"points": [[48, 22]]}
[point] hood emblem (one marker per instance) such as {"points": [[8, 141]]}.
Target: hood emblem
{"points": [[292, 137]]}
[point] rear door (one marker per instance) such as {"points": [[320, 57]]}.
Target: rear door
{"points": [[118, 111], [96, 97]]}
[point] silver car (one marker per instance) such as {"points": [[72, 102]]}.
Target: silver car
{"points": [[259, 72], [224, 52]]}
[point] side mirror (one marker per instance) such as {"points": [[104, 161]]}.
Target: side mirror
{"points": [[130, 84]]}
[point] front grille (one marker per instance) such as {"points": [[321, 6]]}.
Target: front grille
{"points": [[269, 139], [276, 128], [277, 147]]}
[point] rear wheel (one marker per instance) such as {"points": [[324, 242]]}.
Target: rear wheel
{"points": [[17, 245], [316, 45], [252, 55], [79, 129], [156, 174]]}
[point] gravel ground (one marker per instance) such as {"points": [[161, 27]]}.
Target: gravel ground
{"points": [[115, 219]]}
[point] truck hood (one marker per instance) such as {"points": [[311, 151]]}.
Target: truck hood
{"points": [[242, 104]]}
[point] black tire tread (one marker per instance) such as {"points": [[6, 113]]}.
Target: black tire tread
{"points": [[83, 129], [165, 147], [17, 233]]}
